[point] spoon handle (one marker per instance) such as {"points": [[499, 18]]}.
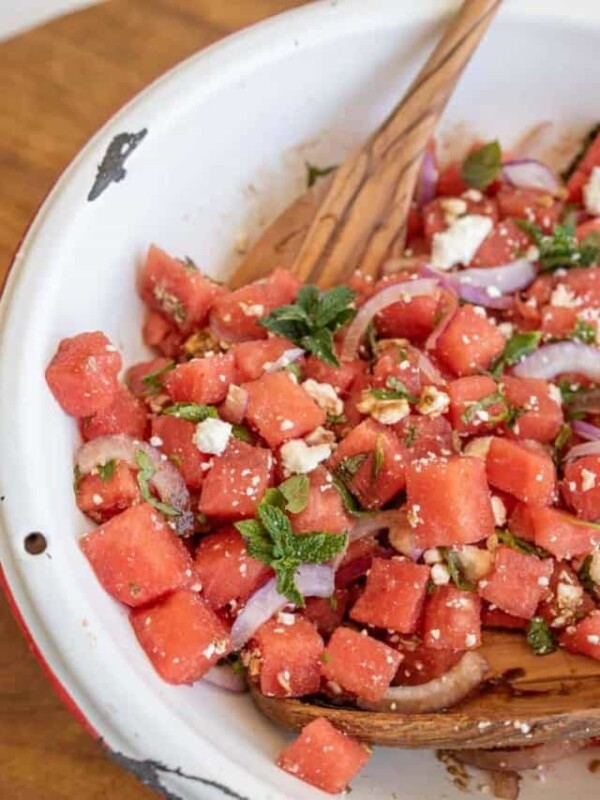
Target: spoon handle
{"points": [[362, 219]]}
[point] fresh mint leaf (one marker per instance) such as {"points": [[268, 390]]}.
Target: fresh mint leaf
{"points": [[540, 637], [153, 380], [584, 331], [318, 547], [395, 390], [336, 419], [348, 467], [521, 545], [561, 249], [273, 497], [313, 173], [517, 347], [191, 412], [482, 166], [455, 568], [378, 458], [351, 504], [471, 412], [106, 471], [563, 437], [411, 436], [146, 471], [296, 491], [585, 577], [242, 433], [312, 320], [258, 542]]}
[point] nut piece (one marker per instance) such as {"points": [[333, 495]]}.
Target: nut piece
{"points": [[433, 402], [388, 412], [475, 563], [325, 396]]}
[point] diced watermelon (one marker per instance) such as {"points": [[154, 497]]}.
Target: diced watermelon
{"points": [[564, 601], [202, 380], [157, 369], [523, 471], [175, 437], [279, 409], [126, 414], [234, 316], [465, 393], [394, 595], [424, 436], [442, 512], [82, 374], [520, 522], [587, 228], [357, 560], [400, 363], [381, 475], [558, 322], [237, 481], [452, 619], [585, 638], [182, 636], [252, 357], [164, 336], [177, 289], [563, 535], [327, 613], [579, 178], [584, 283], [226, 571], [290, 651], [492, 617], [435, 215], [359, 664], [540, 415], [136, 556], [325, 509], [450, 182], [351, 413], [413, 318], [534, 205], [324, 757], [517, 582], [581, 487], [502, 246], [341, 378], [102, 499], [421, 664], [470, 342]]}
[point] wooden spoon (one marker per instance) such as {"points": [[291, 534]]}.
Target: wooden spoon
{"points": [[357, 216]]}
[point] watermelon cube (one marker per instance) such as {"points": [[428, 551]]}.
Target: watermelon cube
{"points": [[202, 380], [536, 205], [182, 636], [341, 378], [541, 415], [126, 414], [413, 318], [470, 342], [324, 757], [136, 556], [290, 651], [466, 416], [493, 617], [327, 613], [400, 363], [325, 509], [279, 409], [581, 487], [253, 357], [162, 334], [564, 601], [585, 637], [394, 595], [452, 619], [359, 664], [82, 374], [102, 499], [421, 664], [175, 437], [517, 582], [441, 510], [226, 571], [424, 436], [563, 535], [522, 470], [502, 245], [157, 367], [236, 482]]}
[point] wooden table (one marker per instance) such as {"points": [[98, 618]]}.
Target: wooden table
{"points": [[58, 84]]}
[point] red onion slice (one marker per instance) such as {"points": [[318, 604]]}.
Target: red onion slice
{"points": [[586, 449], [479, 296], [223, 676], [560, 358], [529, 173], [312, 580], [285, 359], [427, 180], [428, 368], [506, 278], [167, 480], [374, 523], [586, 430], [440, 693], [387, 296], [521, 759], [451, 299]]}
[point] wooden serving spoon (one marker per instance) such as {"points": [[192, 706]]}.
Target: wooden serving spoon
{"points": [[356, 218]]}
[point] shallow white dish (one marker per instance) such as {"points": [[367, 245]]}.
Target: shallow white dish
{"points": [[227, 136]]}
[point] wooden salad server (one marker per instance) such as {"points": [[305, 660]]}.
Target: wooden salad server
{"points": [[354, 218]]}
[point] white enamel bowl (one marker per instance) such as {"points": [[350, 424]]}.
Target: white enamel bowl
{"points": [[228, 132]]}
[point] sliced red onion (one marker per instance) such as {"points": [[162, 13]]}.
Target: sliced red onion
{"points": [[233, 408], [167, 480], [395, 293], [486, 287], [312, 580], [586, 430], [529, 173], [479, 296], [524, 758], [428, 368], [440, 693], [580, 450], [426, 182], [374, 523], [451, 308], [223, 676], [285, 359], [559, 358]]}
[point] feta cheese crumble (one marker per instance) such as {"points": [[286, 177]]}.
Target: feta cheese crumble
{"points": [[459, 243], [298, 458], [325, 396], [212, 436]]}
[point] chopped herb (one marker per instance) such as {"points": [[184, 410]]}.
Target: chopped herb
{"points": [[295, 370], [106, 471], [270, 539], [273, 497], [411, 435], [336, 419], [378, 458], [242, 433], [145, 472], [561, 249], [77, 476], [470, 414], [540, 637], [587, 141], [482, 166], [395, 390], [563, 437], [569, 391], [521, 545], [512, 416], [585, 577], [455, 568], [153, 379], [313, 173], [191, 412], [295, 491], [348, 467], [584, 331], [312, 320], [517, 347], [350, 503]]}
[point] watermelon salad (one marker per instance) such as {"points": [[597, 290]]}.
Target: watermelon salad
{"points": [[334, 494]]}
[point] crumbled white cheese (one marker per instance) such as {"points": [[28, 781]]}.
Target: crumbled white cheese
{"points": [[532, 253], [156, 441], [568, 597], [593, 638], [255, 310], [591, 193], [554, 393], [471, 640], [212, 436], [563, 297], [499, 511], [459, 243], [453, 208], [298, 458], [413, 515], [440, 575], [320, 435], [588, 480], [433, 402], [388, 412], [432, 556], [325, 396], [473, 194], [435, 634]]}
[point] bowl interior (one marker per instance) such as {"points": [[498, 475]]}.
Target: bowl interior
{"points": [[228, 136]]}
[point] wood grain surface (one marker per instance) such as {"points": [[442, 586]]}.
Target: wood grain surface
{"points": [[58, 84]]}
